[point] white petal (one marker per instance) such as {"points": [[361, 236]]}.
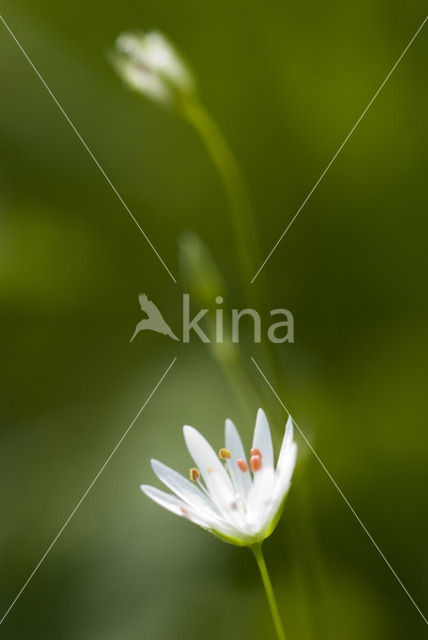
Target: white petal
{"points": [[286, 463], [216, 478], [175, 505], [286, 441], [182, 509], [218, 482], [163, 58], [262, 438], [284, 472], [147, 83], [241, 479], [281, 487], [260, 496], [183, 488]]}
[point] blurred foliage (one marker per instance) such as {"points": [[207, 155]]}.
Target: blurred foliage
{"points": [[286, 82]]}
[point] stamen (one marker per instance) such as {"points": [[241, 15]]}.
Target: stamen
{"points": [[194, 474], [255, 463], [255, 452], [224, 454], [184, 512], [202, 487], [242, 465]]}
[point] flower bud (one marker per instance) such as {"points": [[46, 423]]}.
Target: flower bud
{"points": [[204, 282], [199, 271], [150, 65]]}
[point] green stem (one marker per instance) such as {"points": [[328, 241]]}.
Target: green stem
{"points": [[234, 185], [257, 550], [243, 219]]}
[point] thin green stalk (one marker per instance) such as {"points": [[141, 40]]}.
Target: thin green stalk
{"points": [[243, 219], [258, 554], [234, 185]]}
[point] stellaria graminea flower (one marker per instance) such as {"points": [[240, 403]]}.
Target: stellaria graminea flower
{"points": [[150, 65], [237, 501]]}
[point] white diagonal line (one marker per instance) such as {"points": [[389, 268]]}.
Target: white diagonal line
{"points": [[24, 586], [115, 191], [348, 504], [338, 151]]}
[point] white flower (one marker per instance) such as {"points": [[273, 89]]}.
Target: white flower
{"points": [[149, 64], [237, 502]]}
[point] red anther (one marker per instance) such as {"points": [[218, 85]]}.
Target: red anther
{"points": [[255, 452], [242, 465], [183, 511], [255, 463]]}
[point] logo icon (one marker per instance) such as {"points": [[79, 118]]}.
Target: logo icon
{"points": [[154, 320]]}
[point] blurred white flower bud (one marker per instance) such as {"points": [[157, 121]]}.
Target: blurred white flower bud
{"points": [[149, 64]]}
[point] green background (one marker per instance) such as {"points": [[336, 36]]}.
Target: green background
{"points": [[286, 82]]}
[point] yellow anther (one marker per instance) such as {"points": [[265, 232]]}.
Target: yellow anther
{"points": [[194, 474], [224, 454]]}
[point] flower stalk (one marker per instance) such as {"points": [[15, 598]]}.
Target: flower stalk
{"points": [[233, 183], [270, 595], [242, 213]]}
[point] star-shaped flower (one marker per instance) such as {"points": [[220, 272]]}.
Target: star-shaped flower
{"points": [[237, 501]]}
